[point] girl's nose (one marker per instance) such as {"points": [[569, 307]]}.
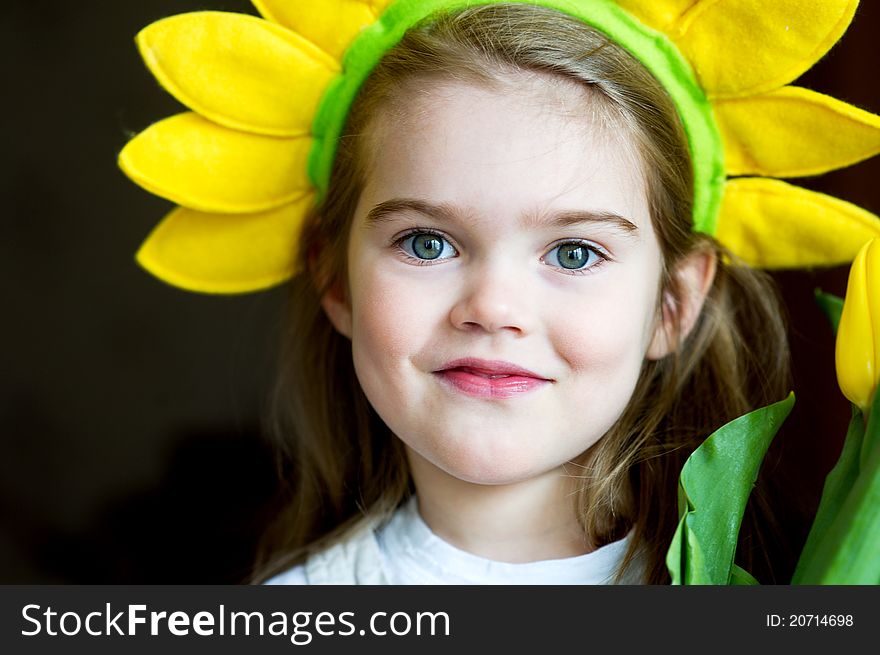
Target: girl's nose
{"points": [[493, 299]]}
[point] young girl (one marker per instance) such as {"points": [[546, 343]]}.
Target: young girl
{"points": [[511, 323]]}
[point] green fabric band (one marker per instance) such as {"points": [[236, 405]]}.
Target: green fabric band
{"points": [[654, 50]]}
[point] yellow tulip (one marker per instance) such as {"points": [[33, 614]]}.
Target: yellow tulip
{"points": [[858, 334]]}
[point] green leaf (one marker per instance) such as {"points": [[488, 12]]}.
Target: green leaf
{"points": [[872, 434], [838, 484], [847, 551], [739, 576], [717, 479], [831, 305], [675, 560], [681, 558]]}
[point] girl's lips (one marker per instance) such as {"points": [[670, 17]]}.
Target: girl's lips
{"points": [[489, 368], [490, 382], [480, 386]]}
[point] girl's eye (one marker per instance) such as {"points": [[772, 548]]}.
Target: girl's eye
{"points": [[575, 256], [426, 246]]}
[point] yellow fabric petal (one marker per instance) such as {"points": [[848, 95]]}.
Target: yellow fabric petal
{"points": [[771, 224], [223, 253], [659, 14], [331, 24], [239, 71], [792, 132], [744, 47], [199, 164]]}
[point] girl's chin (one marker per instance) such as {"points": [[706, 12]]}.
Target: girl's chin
{"points": [[487, 471]]}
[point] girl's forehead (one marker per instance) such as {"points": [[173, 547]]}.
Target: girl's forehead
{"points": [[527, 145], [533, 95]]}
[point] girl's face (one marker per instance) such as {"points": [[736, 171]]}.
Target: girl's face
{"points": [[503, 277]]}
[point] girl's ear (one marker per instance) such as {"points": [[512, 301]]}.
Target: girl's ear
{"points": [[336, 306], [693, 278], [334, 301]]}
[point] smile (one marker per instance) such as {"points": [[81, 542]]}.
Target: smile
{"points": [[483, 379]]}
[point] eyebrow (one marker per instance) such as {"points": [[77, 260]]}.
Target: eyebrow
{"points": [[385, 212]]}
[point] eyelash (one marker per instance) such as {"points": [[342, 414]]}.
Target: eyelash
{"points": [[599, 252], [398, 243]]}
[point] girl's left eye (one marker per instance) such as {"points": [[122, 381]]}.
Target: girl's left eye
{"points": [[426, 246], [575, 256]]}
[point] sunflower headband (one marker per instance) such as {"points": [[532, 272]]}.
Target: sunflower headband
{"points": [[269, 98]]}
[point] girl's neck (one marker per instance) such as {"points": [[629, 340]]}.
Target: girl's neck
{"points": [[522, 522]]}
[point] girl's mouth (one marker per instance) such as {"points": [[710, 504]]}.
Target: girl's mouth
{"points": [[491, 380], [482, 374]]}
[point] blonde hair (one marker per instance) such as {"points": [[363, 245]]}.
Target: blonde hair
{"points": [[339, 461]]}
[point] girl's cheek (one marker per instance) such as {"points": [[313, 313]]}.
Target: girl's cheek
{"points": [[390, 315], [605, 329]]}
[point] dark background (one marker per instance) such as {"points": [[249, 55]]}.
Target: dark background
{"points": [[131, 449]]}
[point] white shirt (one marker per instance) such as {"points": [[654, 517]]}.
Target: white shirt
{"points": [[408, 553]]}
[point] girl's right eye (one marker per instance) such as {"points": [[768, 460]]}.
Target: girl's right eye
{"points": [[424, 246]]}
